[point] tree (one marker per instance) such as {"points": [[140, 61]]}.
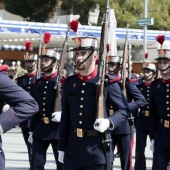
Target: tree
{"points": [[130, 10], [126, 11], [32, 10], [79, 7]]}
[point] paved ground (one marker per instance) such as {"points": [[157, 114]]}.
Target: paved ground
{"points": [[17, 158]]}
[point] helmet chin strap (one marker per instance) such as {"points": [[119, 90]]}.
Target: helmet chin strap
{"points": [[85, 58], [112, 72], [164, 69], [50, 64], [149, 75]]}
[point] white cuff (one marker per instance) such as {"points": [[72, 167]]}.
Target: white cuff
{"points": [[1, 130]]}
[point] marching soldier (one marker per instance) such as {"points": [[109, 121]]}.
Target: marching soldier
{"points": [[159, 109], [80, 142], [22, 106], [142, 119], [45, 125], [27, 83], [122, 134]]}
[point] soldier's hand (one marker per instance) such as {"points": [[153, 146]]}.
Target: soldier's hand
{"points": [[152, 145], [56, 116], [61, 156], [30, 138], [101, 125]]}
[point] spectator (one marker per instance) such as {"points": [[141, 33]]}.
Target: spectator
{"points": [[69, 67]]}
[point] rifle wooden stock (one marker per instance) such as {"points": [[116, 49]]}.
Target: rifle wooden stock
{"points": [[38, 74], [100, 107], [124, 72], [101, 66], [57, 105]]}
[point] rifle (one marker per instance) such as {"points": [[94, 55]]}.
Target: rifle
{"points": [[129, 61], [38, 74], [123, 73], [100, 84], [71, 25]]}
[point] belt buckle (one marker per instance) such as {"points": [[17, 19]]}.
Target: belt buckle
{"points": [[166, 123], [146, 113], [46, 120], [111, 111], [79, 132]]}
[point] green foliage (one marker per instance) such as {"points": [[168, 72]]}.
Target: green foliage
{"points": [[31, 10], [79, 7], [126, 11]]}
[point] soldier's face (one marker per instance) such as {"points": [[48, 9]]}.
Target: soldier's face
{"points": [[148, 74], [46, 64], [163, 67], [80, 56], [30, 66], [112, 68], [11, 72]]}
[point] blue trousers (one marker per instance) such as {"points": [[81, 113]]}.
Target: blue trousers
{"points": [[161, 157], [94, 167], [141, 139]]}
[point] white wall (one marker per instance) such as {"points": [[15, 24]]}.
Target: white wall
{"points": [[9, 16]]}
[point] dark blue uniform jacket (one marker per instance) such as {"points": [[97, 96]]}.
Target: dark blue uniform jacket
{"points": [[27, 83], [22, 106], [45, 95], [78, 111], [142, 119], [160, 112]]}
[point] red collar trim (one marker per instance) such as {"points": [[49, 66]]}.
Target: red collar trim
{"points": [[31, 75], [4, 68], [51, 76], [147, 84], [88, 77], [167, 81]]}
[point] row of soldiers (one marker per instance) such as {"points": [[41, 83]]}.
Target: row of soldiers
{"points": [[77, 144]]}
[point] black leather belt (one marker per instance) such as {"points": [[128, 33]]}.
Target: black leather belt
{"points": [[145, 112], [85, 133], [165, 123]]}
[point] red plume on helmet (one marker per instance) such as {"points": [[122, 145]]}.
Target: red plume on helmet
{"points": [[108, 47], [73, 25], [146, 55], [47, 38], [161, 39], [28, 45]]}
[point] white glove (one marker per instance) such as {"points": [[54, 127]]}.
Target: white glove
{"points": [[152, 145], [56, 116], [61, 156], [30, 138], [101, 125]]}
